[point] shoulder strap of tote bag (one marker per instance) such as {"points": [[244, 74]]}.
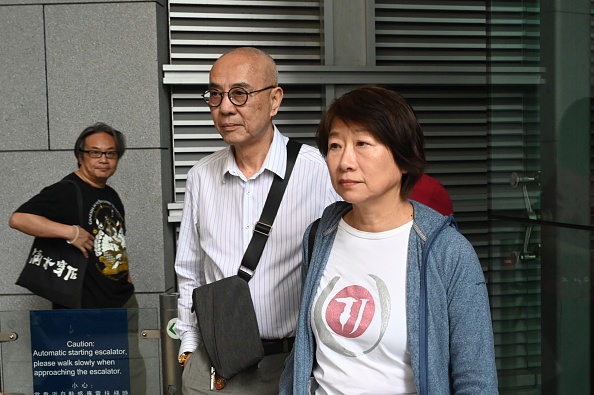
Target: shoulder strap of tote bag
{"points": [[424, 310], [78, 200], [264, 225]]}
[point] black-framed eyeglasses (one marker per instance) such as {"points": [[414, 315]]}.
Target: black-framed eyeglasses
{"points": [[98, 154], [237, 96]]}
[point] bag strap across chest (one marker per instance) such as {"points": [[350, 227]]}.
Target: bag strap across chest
{"points": [[264, 225]]}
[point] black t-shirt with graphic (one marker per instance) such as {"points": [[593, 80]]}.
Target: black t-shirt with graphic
{"points": [[106, 281]]}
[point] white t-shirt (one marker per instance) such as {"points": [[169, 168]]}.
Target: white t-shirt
{"points": [[359, 315]]}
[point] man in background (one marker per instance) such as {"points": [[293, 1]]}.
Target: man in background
{"points": [[101, 238], [54, 213], [432, 193]]}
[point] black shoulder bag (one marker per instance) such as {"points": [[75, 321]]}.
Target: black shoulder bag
{"points": [[224, 308], [55, 270]]}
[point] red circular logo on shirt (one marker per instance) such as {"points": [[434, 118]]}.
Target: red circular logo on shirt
{"points": [[350, 312]]}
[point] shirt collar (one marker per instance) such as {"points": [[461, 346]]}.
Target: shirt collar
{"points": [[275, 161]]}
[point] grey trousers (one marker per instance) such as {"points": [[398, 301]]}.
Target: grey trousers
{"points": [[260, 380]]}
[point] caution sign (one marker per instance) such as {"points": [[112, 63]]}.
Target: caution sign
{"points": [[80, 351]]}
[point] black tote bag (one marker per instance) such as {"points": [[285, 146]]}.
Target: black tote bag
{"points": [[54, 269]]}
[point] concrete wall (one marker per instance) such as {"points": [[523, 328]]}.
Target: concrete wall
{"points": [[67, 64]]}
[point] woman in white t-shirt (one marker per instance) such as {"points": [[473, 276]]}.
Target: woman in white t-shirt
{"points": [[394, 299]]}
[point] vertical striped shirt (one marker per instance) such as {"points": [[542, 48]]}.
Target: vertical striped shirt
{"points": [[221, 208]]}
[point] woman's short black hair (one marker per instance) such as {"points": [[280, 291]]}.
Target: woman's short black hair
{"points": [[389, 117], [99, 127]]}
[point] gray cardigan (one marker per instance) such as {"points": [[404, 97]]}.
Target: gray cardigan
{"points": [[459, 350]]}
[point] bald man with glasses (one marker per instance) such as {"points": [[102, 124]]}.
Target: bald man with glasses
{"points": [[225, 194]]}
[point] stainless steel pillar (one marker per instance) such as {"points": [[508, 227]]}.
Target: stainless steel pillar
{"points": [[172, 372]]}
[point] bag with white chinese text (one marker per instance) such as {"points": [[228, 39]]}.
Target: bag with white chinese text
{"points": [[54, 269]]}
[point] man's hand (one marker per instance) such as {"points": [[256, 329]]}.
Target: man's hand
{"points": [[84, 242]]}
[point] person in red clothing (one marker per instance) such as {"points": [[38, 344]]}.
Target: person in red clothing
{"points": [[432, 193]]}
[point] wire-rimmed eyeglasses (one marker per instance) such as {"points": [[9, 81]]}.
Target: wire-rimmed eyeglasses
{"points": [[98, 154], [237, 96]]}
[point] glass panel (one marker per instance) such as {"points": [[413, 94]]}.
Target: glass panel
{"points": [[541, 307], [541, 195], [17, 360]]}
